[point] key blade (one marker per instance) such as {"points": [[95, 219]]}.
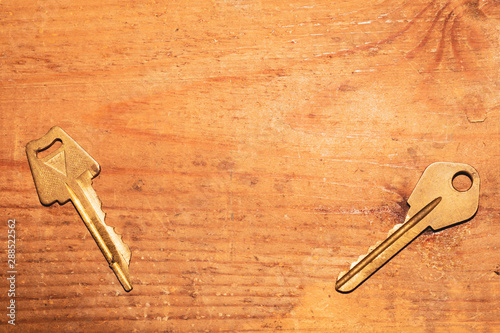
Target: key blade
{"points": [[383, 252], [116, 252], [85, 183], [456, 206]]}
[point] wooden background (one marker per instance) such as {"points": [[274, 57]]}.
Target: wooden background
{"points": [[250, 151]]}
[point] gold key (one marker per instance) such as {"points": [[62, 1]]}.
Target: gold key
{"points": [[66, 174], [434, 203]]}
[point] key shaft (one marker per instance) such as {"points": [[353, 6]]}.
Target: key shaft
{"points": [[386, 250], [93, 218]]}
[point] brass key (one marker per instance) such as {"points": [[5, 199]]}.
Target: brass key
{"points": [[66, 174], [434, 203]]}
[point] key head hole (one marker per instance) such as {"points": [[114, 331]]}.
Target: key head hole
{"points": [[462, 181], [49, 149]]}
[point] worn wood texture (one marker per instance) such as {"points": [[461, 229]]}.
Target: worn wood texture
{"points": [[250, 151]]}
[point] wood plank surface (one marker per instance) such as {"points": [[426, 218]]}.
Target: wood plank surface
{"points": [[250, 151]]}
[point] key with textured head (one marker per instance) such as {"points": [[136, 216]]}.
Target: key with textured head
{"points": [[66, 175], [434, 203]]}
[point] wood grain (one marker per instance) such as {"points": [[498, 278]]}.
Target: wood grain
{"points": [[250, 151]]}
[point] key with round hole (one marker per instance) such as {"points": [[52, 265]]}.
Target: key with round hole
{"points": [[434, 203], [66, 175]]}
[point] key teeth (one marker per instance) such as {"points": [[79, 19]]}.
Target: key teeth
{"points": [[361, 257], [370, 249], [97, 199], [373, 247], [394, 229], [120, 236], [341, 275], [123, 249], [126, 254]]}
